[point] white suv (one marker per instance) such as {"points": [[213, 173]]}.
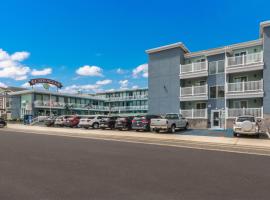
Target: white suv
{"points": [[91, 121], [245, 125]]}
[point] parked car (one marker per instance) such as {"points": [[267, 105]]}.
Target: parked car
{"points": [[60, 121], [123, 123], [91, 121], [72, 121], [50, 121], [143, 122], [245, 125], [169, 123], [107, 122], [3, 123]]}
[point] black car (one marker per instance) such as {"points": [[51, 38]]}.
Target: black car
{"points": [[123, 123], [3, 123], [143, 122], [107, 122], [49, 121]]}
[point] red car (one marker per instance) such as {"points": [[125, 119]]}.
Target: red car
{"points": [[72, 121]]}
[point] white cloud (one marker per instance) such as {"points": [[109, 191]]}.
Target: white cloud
{"points": [[104, 82], [20, 56], [11, 66], [110, 90], [135, 87], [141, 70], [42, 72], [25, 85], [3, 85], [89, 71], [121, 71], [123, 84]]}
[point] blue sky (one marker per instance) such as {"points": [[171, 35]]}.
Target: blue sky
{"points": [[82, 43]]}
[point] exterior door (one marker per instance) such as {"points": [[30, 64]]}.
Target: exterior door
{"points": [[215, 119]]}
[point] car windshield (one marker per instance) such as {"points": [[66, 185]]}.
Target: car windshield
{"points": [[90, 117], [242, 119]]}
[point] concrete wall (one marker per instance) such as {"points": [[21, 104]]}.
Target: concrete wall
{"points": [[198, 123], [266, 72], [164, 82]]}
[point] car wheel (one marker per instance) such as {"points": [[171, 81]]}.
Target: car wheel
{"points": [[157, 131], [95, 125], [187, 126], [235, 134], [172, 130]]}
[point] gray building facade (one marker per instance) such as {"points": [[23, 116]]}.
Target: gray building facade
{"points": [[212, 87]]}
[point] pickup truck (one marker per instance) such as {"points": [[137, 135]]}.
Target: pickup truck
{"points": [[169, 123]]}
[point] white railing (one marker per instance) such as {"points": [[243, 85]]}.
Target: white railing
{"points": [[245, 86], [245, 59], [128, 108], [62, 105], [194, 90], [138, 97], [235, 112], [194, 113], [193, 67]]}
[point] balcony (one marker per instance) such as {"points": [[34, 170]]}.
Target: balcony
{"points": [[194, 113], [236, 112], [126, 98], [245, 63], [193, 70], [127, 108], [249, 89], [62, 105], [194, 93]]}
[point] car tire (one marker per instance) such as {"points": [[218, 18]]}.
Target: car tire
{"points": [[172, 129], [187, 126], [95, 126]]}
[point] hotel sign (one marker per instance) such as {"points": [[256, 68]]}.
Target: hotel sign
{"points": [[45, 81]]}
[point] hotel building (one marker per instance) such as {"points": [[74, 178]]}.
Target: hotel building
{"points": [[211, 87]]}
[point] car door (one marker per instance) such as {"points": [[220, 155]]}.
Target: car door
{"points": [[181, 121]]}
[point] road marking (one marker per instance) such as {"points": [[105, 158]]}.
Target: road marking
{"points": [[161, 142]]}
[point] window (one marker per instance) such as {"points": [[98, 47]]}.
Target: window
{"points": [[200, 105], [216, 92], [240, 104], [216, 67], [200, 83]]}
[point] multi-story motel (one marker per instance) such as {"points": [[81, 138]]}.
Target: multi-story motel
{"points": [[44, 102], [212, 87]]}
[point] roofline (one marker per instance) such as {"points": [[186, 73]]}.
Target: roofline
{"points": [[166, 47], [262, 26], [224, 49]]}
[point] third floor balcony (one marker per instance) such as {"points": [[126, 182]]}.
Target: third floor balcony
{"points": [[244, 63], [193, 70]]}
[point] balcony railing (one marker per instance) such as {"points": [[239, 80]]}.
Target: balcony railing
{"points": [[194, 90], [138, 97], [245, 86], [247, 62], [193, 67], [127, 108], [62, 105], [236, 112], [194, 113]]}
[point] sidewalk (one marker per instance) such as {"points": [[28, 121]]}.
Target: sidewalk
{"points": [[146, 137]]}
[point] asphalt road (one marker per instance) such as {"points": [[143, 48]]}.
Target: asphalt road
{"points": [[42, 167]]}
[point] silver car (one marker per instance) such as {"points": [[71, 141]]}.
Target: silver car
{"points": [[245, 125]]}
